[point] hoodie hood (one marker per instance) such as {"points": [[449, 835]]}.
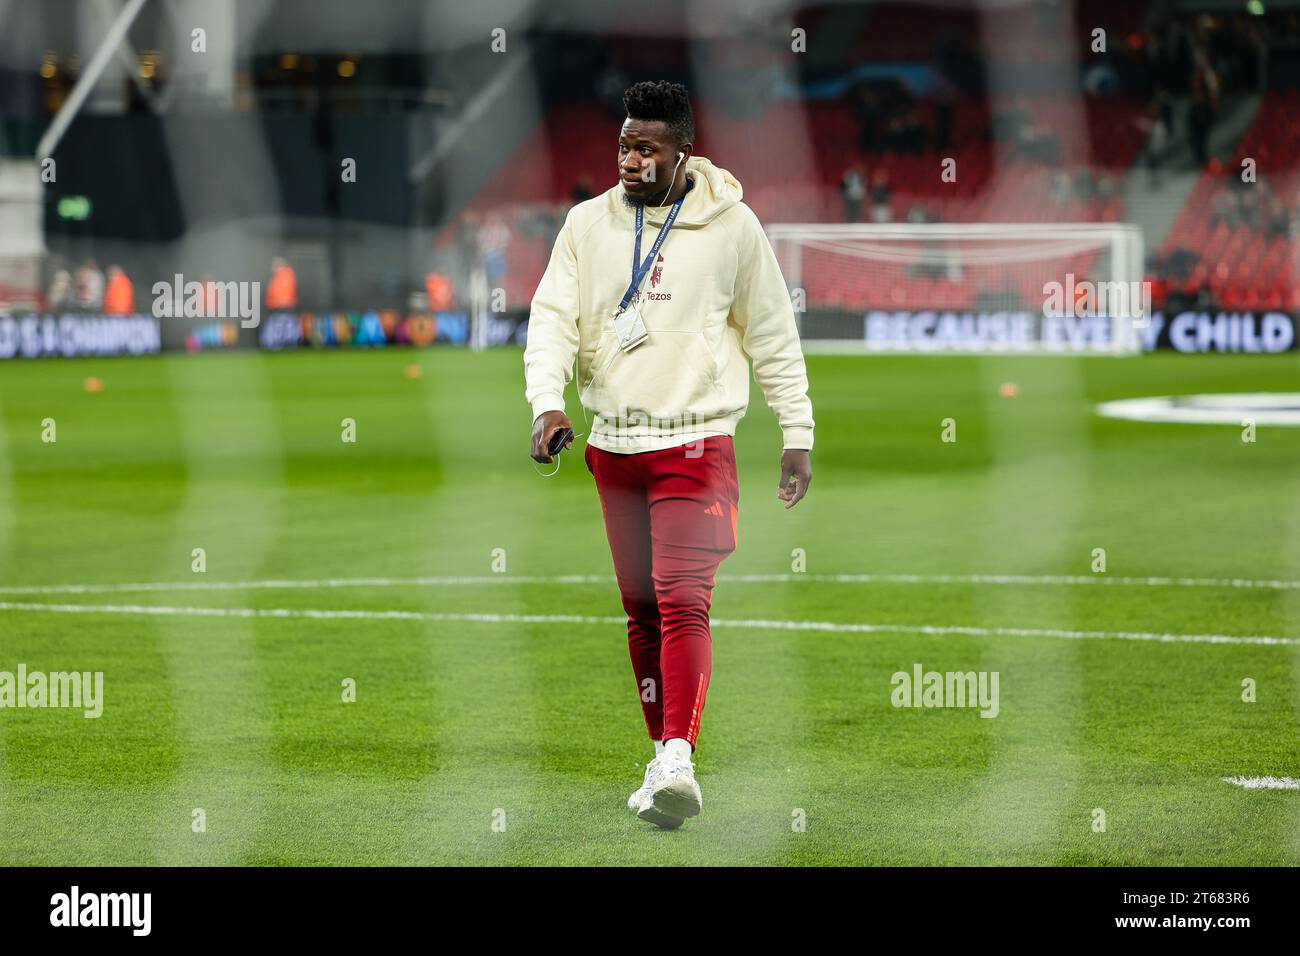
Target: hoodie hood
{"points": [[715, 191]]}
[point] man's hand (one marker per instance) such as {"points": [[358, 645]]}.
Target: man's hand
{"points": [[544, 429], [796, 473]]}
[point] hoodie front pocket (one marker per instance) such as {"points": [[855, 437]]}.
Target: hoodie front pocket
{"points": [[604, 354], [671, 374]]}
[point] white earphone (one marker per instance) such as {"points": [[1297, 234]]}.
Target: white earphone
{"points": [[680, 157]]}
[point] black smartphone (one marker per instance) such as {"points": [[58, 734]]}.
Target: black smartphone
{"points": [[558, 441]]}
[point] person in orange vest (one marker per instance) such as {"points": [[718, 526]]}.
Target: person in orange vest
{"points": [[439, 288], [208, 284], [119, 295], [282, 290]]}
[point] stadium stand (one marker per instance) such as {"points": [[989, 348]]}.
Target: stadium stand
{"points": [[1069, 175], [1235, 240]]}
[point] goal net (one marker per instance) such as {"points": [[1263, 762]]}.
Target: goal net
{"points": [[966, 287]]}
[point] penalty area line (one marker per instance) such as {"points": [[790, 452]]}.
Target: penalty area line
{"points": [[835, 627]]}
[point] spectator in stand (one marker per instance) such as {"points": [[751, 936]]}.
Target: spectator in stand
{"points": [[866, 104], [1279, 219], [1039, 144], [119, 294], [60, 295], [1062, 190], [1155, 125], [943, 119], [1085, 187], [1009, 123], [493, 239], [854, 191], [1223, 207], [282, 289], [1198, 125], [439, 288], [907, 133], [1253, 202], [1205, 104], [1180, 263], [612, 84], [582, 189], [89, 283], [880, 196], [1014, 125]]}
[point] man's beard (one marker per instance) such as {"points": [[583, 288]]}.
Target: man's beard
{"points": [[632, 202]]}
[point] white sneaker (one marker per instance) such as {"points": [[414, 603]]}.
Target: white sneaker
{"points": [[673, 795], [641, 794]]}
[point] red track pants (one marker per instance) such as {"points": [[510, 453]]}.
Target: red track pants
{"points": [[670, 516]]}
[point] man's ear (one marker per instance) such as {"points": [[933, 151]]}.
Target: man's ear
{"points": [[688, 150]]}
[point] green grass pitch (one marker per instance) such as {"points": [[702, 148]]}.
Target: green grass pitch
{"points": [[461, 725]]}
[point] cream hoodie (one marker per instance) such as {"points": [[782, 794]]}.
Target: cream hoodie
{"points": [[713, 300]]}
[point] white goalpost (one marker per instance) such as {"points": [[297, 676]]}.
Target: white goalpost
{"points": [[966, 287]]}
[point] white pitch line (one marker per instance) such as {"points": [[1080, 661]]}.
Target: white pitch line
{"points": [[1264, 783], [316, 613], [463, 580], [824, 626]]}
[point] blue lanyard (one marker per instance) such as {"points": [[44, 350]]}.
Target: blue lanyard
{"points": [[639, 269]]}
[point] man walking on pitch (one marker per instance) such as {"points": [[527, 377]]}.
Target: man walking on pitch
{"points": [[664, 288]]}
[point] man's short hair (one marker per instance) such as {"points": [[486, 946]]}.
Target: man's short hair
{"points": [[665, 101]]}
